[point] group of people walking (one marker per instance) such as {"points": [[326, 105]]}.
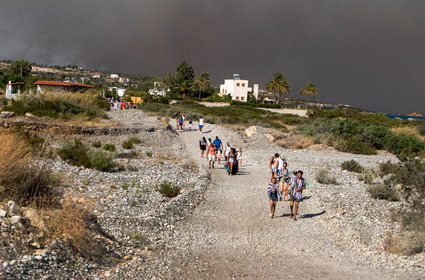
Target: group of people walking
{"points": [[215, 151], [283, 183]]}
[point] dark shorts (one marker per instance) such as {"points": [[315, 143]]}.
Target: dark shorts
{"points": [[284, 180], [273, 196], [203, 147], [292, 198]]}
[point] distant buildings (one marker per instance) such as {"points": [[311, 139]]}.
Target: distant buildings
{"points": [[238, 89], [114, 76], [13, 89]]}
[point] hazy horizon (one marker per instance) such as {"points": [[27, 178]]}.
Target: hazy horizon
{"points": [[368, 54]]}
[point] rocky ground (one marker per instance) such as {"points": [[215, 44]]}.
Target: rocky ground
{"points": [[218, 227]]}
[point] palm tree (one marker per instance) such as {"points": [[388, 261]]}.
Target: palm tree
{"points": [[184, 88], [311, 90], [278, 85], [202, 82]]}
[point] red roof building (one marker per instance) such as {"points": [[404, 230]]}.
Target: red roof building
{"points": [[61, 86]]}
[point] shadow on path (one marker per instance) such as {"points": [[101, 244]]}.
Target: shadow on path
{"points": [[306, 216]]}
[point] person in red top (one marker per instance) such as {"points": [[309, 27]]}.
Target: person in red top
{"points": [[211, 155]]}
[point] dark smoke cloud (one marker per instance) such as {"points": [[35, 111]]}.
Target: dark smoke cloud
{"points": [[366, 53]]}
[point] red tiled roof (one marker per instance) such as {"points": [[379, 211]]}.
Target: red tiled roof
{"points": [[12, 84], [61, 84]]}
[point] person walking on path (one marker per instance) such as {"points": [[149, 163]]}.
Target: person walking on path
{"points": [[231, 160], [203, 146], [217, 142], [273, 164], [211, 156], [240, 157], [181, 119], [274, 195], [201, 124], [284, 180], [227, 151], [296, 193]]}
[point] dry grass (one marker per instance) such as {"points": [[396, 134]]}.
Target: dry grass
{"points": [[295, 142], [21, 178], [410, 131], [405, 243], [72, 223]]}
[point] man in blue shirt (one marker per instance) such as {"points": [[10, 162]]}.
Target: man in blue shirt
{"points": [[217, 143]]}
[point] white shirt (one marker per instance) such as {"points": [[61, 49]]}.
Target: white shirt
{"points": [[201, 121], [280, 165]]}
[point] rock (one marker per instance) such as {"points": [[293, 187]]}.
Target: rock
{"points": [[2, 213], [7, 114], [35, 219], [269, 137], [12, 208], [29, 115], [15, 219], [250, 131]]}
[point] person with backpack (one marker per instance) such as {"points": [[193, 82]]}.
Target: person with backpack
{"points": [[274, 195], [203, 146], [298, 184]]}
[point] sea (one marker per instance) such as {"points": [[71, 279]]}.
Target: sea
{"points": [[405, 117]]}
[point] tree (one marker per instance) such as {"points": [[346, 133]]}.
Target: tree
{"points": [[183, 78], [202, 83], [20, 67], [278, 85], [310, 90]]}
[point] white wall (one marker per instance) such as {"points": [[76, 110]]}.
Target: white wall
{"points": [[238, 89]]}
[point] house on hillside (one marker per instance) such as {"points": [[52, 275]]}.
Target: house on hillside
{"points": [[13, 89], [60, 86], [114, 76], [238, 89]]}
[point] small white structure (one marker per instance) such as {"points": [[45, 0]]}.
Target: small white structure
{"points": [[123, 80], [238, 89], [97, 76], [12, 92], [114, 76], [158, 89]]}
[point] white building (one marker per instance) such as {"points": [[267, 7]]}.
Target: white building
{"points": [[13, 90], [238, 89], [114, 76], [158, 89]]}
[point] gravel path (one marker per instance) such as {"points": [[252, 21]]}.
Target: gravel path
{"points": [[230, 236]]}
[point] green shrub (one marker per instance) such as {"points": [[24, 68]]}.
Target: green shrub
{"points": [[387, 168], [149, 154], [352, 166], [169, 190], [127, 144], [367, 176], [102, 160], [96, 144], [354, 146], [383, 191], [421, 129], [109, 147], [135, 140], [376, 136], [75, 153], [323, 177], [405, 145]]}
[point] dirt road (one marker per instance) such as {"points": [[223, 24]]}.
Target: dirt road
{"points": [[230, 236]]}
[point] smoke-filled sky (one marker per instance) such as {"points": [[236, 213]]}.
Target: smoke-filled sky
{"points": [[367, 53]]}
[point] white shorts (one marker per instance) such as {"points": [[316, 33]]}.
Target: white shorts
{"points": [[211, 157]]}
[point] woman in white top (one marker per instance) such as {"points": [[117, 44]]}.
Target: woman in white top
{"points": [[201, 124]]}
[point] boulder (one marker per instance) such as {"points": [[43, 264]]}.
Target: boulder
{"points": [[35, 218], [2, 213], [12, 208], [250, 131], [15, 219], [29, 115], [269, 137], [7, 114]]}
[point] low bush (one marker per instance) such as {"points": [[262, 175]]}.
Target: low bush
{"points": [[102, 160], [368, 176], [421, 129], [109, 147], [149, 154], [406, 243], [63, 105], [383, 191], [323, 177], [128, 144], [21, 178], [387, 168], [352, 166], [167, 189], [75, 153], [96, 144], [135, 140], [354, 146]]}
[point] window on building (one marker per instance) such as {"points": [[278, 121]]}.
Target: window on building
{"points": [[237, 97], [238, 84], [243, 85], [242, 98]]}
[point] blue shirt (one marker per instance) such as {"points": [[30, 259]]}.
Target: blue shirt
{"points": [[217, 143]]}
